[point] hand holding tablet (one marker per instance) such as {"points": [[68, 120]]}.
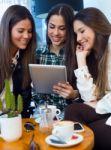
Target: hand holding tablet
{"points": [[44, 77]]}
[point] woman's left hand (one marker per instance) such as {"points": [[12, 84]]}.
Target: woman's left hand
{"points": [[65, 90]]}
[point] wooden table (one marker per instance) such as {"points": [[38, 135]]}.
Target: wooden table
{"points": [[22, 144]]}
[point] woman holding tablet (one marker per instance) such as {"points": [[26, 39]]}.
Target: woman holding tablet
{"points": [[59, 34]]}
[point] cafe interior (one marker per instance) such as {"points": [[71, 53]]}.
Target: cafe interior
{"points": [[32, 135]]}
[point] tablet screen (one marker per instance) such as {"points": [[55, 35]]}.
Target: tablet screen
{"points": [[45, 76]]}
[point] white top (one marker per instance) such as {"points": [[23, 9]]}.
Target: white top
{"points": [[87, 87]]}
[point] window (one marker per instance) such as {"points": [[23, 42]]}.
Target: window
{"points": [[4, 4]]}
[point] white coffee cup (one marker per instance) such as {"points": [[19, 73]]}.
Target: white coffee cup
{"points": [[11, 128], [55, 112], [63, 130]]}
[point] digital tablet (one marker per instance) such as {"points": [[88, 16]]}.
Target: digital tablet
{"points": [[45, 76]]}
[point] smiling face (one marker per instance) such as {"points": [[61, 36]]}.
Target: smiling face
{"points": [[56, 30], [85, 35], [21, 34]]}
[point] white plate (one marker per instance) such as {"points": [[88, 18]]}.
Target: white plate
{"points": [[74, 141]]}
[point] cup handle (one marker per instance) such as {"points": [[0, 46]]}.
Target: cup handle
{"points": [[58, 112]]}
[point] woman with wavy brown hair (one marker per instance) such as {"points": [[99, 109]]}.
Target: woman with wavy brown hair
{"points": [[57, 51], [92, 31], [17, 50]]}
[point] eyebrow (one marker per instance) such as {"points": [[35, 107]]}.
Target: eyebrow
{"points": [[81, 28], [78, 30], [59, 25], [21, 28]]}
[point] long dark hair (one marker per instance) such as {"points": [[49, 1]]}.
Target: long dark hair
{"points": [[97, 60], [67, 12], [13, 15]]}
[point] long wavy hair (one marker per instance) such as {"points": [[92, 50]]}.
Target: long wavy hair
{"points": [[67, 12], [12, 16], [97, 60]]}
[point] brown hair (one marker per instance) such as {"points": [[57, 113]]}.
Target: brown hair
{"points": [[97, 60], [13, 15], [67, 12]]}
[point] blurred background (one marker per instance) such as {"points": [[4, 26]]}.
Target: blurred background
{"points": [[40, 8]]}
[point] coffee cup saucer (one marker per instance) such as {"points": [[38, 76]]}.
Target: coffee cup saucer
{"points": [[76, 139]]}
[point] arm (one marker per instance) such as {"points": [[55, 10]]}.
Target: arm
{"points": [[87, 87], [84, 80], [85, 84]]}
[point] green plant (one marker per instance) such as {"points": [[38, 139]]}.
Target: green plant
{"points": [[8, 105]]}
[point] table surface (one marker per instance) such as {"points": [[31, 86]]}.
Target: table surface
{"points": [[22, 144]]}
